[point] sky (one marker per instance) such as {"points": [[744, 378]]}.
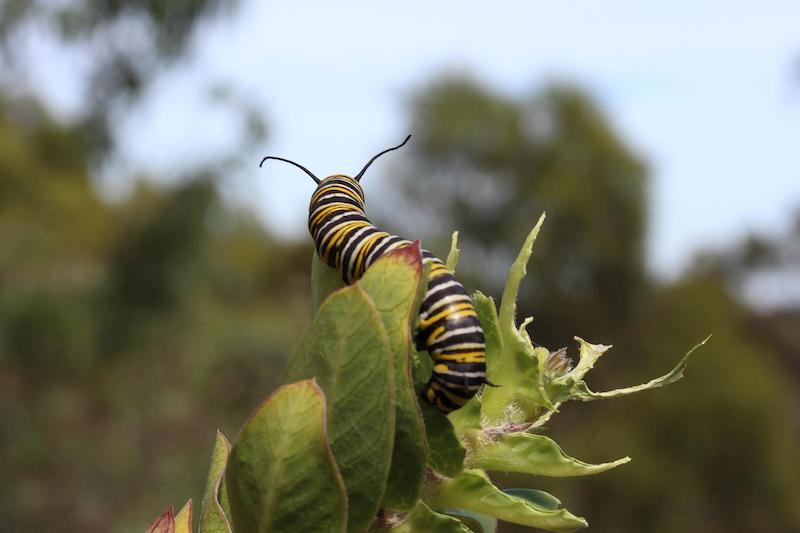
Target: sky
{"points": [[707, 93]]}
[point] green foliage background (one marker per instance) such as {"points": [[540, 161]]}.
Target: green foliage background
{"points": [[129, 330]]}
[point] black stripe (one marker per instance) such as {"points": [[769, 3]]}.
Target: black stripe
{"points": [[349, 248]]}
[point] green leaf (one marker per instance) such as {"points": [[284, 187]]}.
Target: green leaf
{"points": [[528, 453], [213, 518], [421, 364], [468, 418], [324, 281], [487, 314], [512, 363], [452, 256], [347, 350], [477, 522], [508, 305], [539, 498], [393, 284], [572, 387], [423, 520], [281, 474], [183, 520], [445, 452], [474, 492]]}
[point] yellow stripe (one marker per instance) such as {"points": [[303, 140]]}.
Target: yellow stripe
{"points": [[361, 259], [435, 335], [467, 357], [329, 210], [450, 309], [342, 235], [328, 189], [458, 400]]}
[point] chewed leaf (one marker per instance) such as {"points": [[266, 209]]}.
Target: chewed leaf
{"points": [[583, 392], [474, 492], [213, 517], [512, 363], [284, 445], [423, 520], [393, 284], [519, 393], [528, 453], [347, 350], [508, 305], [183, 520], [452, 257], [571, 386], [589, 354]]}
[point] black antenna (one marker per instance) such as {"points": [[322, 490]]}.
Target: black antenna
{"points": [[313, 177], [358, 177]]}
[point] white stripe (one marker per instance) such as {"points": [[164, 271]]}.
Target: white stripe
{"points": [[401, 242], [378, 247], [331, 221], [336, 194], [459, 331], [451, 283], [349, 207], [334, 230], [442, 302], [354, 238], [460, 374], [466, 346]]}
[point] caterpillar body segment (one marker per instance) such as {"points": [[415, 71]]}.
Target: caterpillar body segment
{"points": [[449, 329]]}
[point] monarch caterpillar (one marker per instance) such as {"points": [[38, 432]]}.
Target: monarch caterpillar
{"points": [[449, 329]]}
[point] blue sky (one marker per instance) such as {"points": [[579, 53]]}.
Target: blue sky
{"points": [[703, 91]]}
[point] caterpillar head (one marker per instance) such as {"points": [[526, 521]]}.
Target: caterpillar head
{"points": [[342, 177]]}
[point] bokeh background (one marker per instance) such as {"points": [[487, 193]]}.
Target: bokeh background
{"points": [[154, 280]]}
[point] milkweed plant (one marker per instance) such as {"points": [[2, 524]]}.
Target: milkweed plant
{"points": [[345, 446]]}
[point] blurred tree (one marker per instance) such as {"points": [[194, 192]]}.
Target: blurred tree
{"points": [[198, 305], [715, 453], [487, 166], [129, 42]]}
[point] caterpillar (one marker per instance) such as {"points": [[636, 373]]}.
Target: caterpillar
{"points": [[448, 327]]}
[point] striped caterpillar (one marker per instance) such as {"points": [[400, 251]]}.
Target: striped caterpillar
{"points": [[449, 329]]}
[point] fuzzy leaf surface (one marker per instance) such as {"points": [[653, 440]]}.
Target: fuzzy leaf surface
{"points": [[529, 453], [347, 350], [512, 363], [452, 256], [473, 491], [281, 474], [424, 520]]}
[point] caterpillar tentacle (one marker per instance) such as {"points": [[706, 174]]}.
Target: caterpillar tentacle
{"points": [[449, 329]]}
